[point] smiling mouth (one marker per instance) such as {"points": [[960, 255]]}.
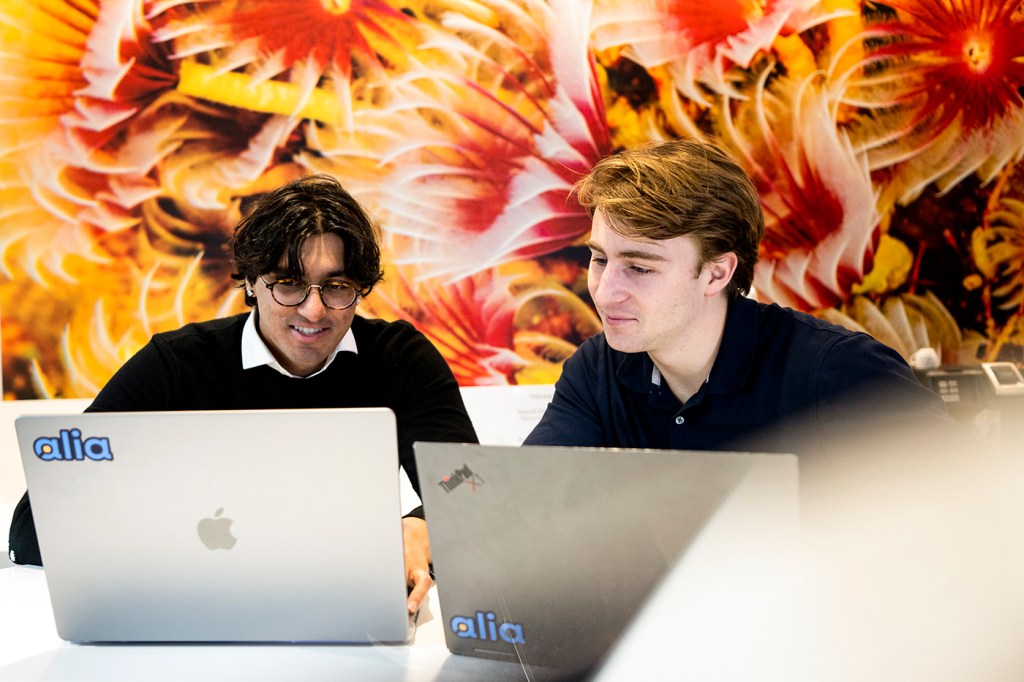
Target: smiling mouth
{"points": [[308, 331]]}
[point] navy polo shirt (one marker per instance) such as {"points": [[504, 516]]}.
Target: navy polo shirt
{"points": [[783, 381]]}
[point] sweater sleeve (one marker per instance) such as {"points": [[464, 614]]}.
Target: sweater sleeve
{"points": [[23, 546], [424, 394]]}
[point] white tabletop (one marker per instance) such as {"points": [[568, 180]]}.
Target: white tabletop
{"points": [[31, 650]]}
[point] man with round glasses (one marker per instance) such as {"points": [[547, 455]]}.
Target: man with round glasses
{"points": [[305, 255], [336, 294]]}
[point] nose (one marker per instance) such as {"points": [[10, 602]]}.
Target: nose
{"points": [[313, 307], [604, 286]]}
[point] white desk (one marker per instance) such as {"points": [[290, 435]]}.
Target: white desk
{"points": [[31, 650]]}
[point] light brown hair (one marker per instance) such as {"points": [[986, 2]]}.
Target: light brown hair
{"points": [[680, 188]]}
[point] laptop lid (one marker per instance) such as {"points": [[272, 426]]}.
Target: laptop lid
{"points": [[543, 555], [269, 525]]}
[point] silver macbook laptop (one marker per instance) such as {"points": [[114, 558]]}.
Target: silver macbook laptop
{"points": [[543, 555], [219, 526]]}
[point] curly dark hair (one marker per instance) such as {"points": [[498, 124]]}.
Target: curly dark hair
{"points": [[281, 221]]}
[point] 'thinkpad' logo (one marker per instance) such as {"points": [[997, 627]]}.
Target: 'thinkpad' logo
{"points": [[70, 445], [458, 477], [485, 626]]}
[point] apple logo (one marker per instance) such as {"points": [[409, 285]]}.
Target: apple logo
{"points": [[215, 531]]}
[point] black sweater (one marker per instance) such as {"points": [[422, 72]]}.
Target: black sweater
{"points": [[199, 367]]}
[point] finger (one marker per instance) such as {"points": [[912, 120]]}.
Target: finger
{"points": [[421, 582]]}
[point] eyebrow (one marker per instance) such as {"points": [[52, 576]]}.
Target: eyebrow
{"points": [[632, 254]]}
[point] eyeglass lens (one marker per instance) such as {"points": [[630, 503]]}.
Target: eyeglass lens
{"points": [[333, 293]]}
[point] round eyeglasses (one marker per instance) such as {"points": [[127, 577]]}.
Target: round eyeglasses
{"points": [[336, 294]]}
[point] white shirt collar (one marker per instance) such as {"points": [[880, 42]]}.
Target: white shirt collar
{"points": [[255, 352]]}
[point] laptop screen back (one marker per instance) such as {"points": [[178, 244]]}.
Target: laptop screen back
{"points": [[219, 526], [543, 555]]}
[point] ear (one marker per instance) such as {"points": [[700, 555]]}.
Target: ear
{"points": [[720, 273]]}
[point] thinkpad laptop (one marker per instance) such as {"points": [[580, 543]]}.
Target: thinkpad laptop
{"points": [[544, 555], [219, 526]]}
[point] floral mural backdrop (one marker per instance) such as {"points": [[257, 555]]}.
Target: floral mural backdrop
{"points": [[885, 139]]}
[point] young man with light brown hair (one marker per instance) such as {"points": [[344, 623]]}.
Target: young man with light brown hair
{"points": [[686, 360]]}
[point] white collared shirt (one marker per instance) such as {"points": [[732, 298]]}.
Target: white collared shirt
{"points": [[255, 352]]}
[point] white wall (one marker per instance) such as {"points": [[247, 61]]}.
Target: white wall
{"points": [[505, 415]]}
